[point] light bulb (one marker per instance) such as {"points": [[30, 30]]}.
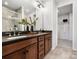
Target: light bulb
{"points": [[6, 3]]}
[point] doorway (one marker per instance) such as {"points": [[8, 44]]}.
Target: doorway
{"points": [[65, 18]]}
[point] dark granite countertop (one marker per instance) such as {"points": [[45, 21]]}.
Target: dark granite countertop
{"points": [[6, 41]]}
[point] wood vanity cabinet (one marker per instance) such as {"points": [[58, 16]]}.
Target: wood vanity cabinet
{"points": [[21, 50], [48, 43], [32, 48]]}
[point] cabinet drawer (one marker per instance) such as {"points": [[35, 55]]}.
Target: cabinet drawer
{"points": [[41, 55], [18, 45], [48, 36], [41, 45], [41, 38]]}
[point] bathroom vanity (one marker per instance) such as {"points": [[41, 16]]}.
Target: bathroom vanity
{"points": [[33, 46]]}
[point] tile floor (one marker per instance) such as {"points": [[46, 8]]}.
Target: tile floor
{"points": [[63, 51]]}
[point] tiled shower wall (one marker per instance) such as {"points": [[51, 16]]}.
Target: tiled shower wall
{"points": [[65, 29]]}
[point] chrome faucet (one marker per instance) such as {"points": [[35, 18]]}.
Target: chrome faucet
{"points": [[19, 33], [9, 34], [14, 33]]}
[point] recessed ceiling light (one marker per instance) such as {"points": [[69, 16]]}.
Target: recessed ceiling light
{"points": [[6, 3]]}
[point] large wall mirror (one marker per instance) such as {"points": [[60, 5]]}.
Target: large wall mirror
{"points": [[15, 10]]}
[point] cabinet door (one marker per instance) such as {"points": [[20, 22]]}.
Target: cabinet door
{"points": [[31, 52], [50, 43], [16, 55], [46, 46]]}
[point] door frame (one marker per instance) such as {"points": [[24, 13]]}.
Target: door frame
{"points": [[72, 21]]}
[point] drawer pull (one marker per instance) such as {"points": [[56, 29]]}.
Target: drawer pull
{"points": [[41, 40], [42, 50], [27, 51], [41, 45]]}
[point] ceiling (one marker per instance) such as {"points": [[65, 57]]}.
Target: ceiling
{"points": [[16, 4], [65, 10], [59, 0]]}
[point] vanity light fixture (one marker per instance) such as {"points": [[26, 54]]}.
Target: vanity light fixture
{"points": [[38, 4], [6, 3]]}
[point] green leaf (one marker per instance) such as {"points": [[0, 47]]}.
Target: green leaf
{"points": [[23, 21]]}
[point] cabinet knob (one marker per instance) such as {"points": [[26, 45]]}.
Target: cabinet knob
{"points": [[24, 52]]}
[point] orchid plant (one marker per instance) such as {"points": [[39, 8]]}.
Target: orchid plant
{"points": [[33, 21], [24, 22]]}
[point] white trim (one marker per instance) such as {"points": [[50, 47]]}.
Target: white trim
{"points": [[73, 29], [53, 48], [74, 49], [57, 23], [64, 4]]}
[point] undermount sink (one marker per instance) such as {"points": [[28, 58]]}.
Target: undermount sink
{"points": [[17, 37]]}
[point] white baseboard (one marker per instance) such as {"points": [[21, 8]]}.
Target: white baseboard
{"points": [[74, 49], [53, 48]]}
